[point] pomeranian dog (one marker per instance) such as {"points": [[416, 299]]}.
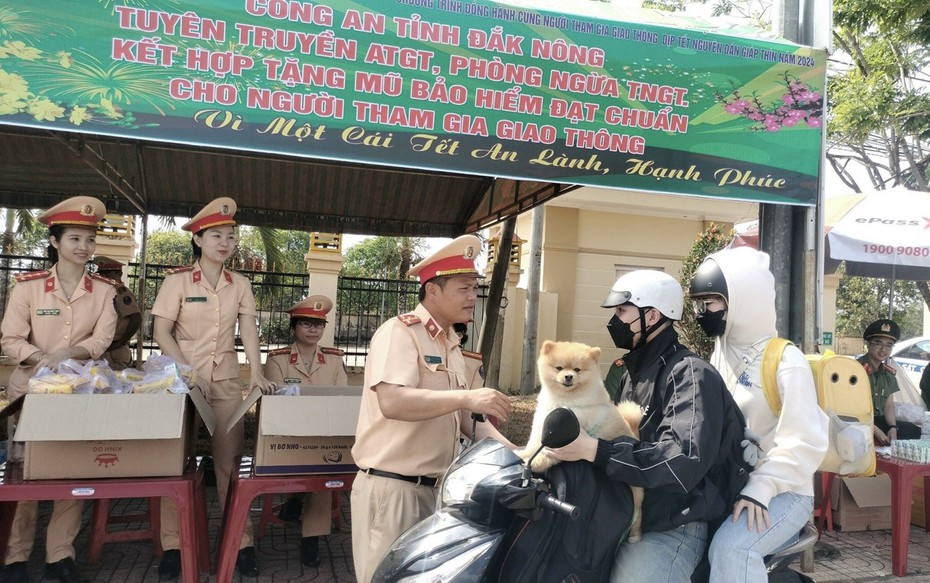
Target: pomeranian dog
{"points": [[570, 377]]}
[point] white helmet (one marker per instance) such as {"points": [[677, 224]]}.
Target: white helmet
{"points": [[648, 288]]}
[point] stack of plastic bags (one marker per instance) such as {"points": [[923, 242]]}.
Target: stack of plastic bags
{"points": [[160, 374]]}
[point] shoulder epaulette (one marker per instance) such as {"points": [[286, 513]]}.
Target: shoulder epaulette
{"points": [[335, 351], [174, 270], [470, 354], [280, 351], [409, 319], [888, 368], [619, 362], [33, 275], [112, 282]]}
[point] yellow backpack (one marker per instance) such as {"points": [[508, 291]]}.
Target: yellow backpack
{"points": [[844, 394]]}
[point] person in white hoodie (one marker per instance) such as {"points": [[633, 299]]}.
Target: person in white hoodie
{"points": [[733, 295]]}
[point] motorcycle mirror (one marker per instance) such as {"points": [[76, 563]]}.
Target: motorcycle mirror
{"points": [[560, 428]]}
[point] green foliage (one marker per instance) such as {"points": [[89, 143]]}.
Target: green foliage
{"points": [[276, 329], [168, 247], [382, 257], [709, 241], [862, 300]]}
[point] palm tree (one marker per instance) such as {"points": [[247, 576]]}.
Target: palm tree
{"points": [[18, 223]]}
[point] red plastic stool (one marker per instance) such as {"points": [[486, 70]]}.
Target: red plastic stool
{"points": [[101, 519], [824, 513], [270, 513], [245, 487]]}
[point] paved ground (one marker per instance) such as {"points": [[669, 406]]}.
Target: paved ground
{"points": [[846, 557]]}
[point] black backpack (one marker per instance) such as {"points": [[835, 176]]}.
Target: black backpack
{"points": [[554, 548]]}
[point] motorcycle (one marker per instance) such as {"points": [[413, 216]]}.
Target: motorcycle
{"points": [[486, 498]]}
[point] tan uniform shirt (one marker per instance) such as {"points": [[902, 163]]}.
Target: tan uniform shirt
{"points": [[39, 318], [474, 369], [413, 351], [326, 368], [205, 318]]}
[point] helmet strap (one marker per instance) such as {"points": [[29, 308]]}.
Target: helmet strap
{"points": [[647, 330]]}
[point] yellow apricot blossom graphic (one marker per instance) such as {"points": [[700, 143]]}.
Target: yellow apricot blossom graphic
{"points": [[44, 110]]}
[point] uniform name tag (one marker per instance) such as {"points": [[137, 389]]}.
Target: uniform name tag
{"points": [[433, 359], [292, 381], [196, 299], [48, 312]]}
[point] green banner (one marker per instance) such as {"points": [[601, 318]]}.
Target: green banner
{"points": [[472, 87]]}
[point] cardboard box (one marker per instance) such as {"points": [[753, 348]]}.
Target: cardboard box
{"points": [[308, 434], [917, 503], [862, 503], [108, 436]]}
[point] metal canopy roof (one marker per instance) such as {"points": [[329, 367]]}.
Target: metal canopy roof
{"points": [[40, 168]]}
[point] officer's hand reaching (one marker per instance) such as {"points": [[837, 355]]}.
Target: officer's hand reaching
{"points": [[752, 451], [489, 402]]}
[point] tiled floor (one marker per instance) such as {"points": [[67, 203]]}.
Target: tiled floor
{"points": [[840, 557]]}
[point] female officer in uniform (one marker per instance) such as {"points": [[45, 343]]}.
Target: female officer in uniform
{"points": [[306, 363], [196, 313], [52, 316]]}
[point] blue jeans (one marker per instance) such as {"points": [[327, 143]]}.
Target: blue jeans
{"points": [[668, 556], [737, 553]]}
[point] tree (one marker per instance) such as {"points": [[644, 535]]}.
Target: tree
{"points": [[168, 247], [878, 105], [383, 257], [709, 241], [862, 300]]}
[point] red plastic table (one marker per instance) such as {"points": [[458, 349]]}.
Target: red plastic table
{"points": [[186, 491], [244, 487], [902, 474]]}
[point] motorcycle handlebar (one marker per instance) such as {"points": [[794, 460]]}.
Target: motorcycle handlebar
{"points": [[546, 500]]}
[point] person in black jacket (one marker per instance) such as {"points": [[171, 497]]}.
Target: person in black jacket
{"points": [[686, 457]]}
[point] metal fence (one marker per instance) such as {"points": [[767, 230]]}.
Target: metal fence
{"points": [[362, 304]]}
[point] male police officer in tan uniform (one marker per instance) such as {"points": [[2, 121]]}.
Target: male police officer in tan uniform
{"points": [[118, 355], [306, 363], [415, 403]]}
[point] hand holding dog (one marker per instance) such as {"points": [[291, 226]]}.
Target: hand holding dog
{"points": [[583, 448]]}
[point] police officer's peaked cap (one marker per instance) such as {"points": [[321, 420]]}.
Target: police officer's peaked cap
{"points": [[882, 329], [456, 258], [218, 212], [314, 307], [79, 211]]}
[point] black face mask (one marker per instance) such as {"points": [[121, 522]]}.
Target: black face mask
{"points": [[621, 333], [713, 323]]}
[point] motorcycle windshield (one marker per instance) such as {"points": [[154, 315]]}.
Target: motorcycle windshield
{"points": [[474, 482], [442, 547]]}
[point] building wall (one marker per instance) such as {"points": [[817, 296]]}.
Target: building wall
{"points": [[586, 244]]}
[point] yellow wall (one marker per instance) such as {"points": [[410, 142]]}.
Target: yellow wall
{"points": [[586, 240]]}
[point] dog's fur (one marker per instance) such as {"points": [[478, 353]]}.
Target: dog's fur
{"points": [[569, 376]]}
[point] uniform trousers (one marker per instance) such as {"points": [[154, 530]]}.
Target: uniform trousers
{"points": [[224, 397], [317, 519], [63, 526], [382, 509]]}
